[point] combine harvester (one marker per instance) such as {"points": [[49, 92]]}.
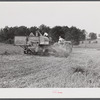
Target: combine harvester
{"points": [[40, 45]]}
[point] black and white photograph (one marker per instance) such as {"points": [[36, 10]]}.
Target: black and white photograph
{"points": [[50, 44]]}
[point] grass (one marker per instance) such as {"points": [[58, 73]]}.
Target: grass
{"points": [[80, 69]]}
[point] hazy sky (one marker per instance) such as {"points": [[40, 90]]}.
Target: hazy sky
{"points": [[83, 15]]}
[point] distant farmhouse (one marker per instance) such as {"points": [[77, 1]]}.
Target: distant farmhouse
{"points": [[88, 39]]}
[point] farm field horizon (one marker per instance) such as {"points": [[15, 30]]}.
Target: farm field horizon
{"points": [[79, 70]]}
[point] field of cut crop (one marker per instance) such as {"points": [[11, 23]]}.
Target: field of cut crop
{"points": [[81, 69]]}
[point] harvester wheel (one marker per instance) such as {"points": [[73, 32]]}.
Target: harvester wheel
{"points": [[29, 52], [25, 51]]}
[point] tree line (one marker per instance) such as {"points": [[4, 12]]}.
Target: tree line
{"points": [[73, 34]]}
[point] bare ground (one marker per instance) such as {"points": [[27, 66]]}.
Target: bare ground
{"points": [[80, 69]]}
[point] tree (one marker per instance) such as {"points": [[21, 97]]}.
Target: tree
{"points": [[43, 28], [75, 35], [5, 33], [93, 36], [2, 35], [33, 30], [66, 33], [70, 34], [22, 31], [56, 32], [82, 35]]}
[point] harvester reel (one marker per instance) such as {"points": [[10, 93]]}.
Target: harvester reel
{"points": [[61, 49]]}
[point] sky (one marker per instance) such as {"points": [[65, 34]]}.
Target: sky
{"points": [[83, 15]]}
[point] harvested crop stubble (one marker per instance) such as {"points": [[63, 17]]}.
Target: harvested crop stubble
{"points": [[6, 49], [79, 70]]}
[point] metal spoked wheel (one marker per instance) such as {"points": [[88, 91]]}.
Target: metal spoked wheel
{"points": [[25, 51]]}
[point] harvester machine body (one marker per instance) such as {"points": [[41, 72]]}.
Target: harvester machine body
{"points": [[32, 44], [40, 45], [37, 45]]}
